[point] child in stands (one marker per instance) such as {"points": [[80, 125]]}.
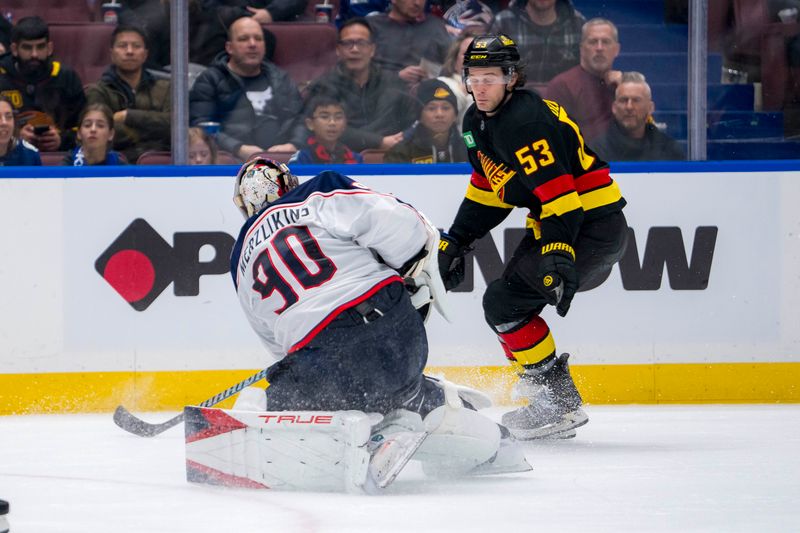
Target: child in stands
{"points": [[95, 132], [326, 120]]}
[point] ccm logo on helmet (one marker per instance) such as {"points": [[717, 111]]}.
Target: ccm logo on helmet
{"points": [[296, 419], [139, 264]]}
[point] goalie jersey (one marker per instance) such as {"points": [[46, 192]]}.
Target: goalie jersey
{"points": [[321, 248]]}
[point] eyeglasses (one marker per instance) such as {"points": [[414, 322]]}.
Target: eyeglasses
{"points": [[355, 43], [325, 117], [488, 79]]}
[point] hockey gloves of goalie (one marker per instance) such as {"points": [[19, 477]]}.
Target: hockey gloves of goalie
{"points": [[558, 275], [451, 261]]}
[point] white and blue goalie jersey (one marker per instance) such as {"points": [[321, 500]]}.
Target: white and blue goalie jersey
{"points": [[312, 254]]}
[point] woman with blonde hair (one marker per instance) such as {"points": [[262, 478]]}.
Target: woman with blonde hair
{"points": [[202, 148]]}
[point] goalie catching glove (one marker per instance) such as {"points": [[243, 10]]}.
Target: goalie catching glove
{"points": [[558, 275], [451, 261]]}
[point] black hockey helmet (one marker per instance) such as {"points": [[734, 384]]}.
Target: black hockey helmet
{"points": [[491, 50]]}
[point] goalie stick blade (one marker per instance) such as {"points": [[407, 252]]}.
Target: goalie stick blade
{"points": [[130, 423]]}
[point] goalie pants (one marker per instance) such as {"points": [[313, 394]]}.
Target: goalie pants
{"points": [[368, 362], [518, 295]]}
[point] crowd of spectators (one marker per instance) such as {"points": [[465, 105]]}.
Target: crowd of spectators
{"points": [[395, 88]]}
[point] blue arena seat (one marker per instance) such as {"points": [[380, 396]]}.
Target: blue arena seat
{"points": [[623, 11], [673, 96], [727, 124], [666, 67]]}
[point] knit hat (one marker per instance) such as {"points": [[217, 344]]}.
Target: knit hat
{"points": [[430, 90]]}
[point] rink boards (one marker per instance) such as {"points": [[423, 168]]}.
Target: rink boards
{"points": [[115, 287]]}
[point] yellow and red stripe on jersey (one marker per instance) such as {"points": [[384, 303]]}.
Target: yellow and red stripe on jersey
{"points": [[558, 196], [596, 189], [529, 344], [480, 190]]}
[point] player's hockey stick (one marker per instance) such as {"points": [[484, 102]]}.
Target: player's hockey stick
{"points": [[132, 424]]}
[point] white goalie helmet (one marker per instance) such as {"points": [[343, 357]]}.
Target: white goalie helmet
{"points": [[259, 182]]}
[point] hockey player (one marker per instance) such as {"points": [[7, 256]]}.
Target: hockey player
{"points": [[319, 270], [526, 152]]}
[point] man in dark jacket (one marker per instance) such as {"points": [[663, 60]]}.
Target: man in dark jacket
{"points": [[140, 103], [47, 94], [376, 102], [435, 137], [548, 33], [632, 136], [255, 102]]}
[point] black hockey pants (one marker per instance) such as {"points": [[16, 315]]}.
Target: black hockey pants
{"points": [[364, 360], [519, 295]]}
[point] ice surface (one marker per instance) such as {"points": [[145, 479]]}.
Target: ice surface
{"points": [[644, 468]]}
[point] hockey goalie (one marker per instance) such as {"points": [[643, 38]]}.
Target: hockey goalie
{"points": [[337, 279]]}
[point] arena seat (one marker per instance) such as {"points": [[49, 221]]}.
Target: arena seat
{"points": [[373, 155], [86, 47], [52, 159], [280, 157], [54, 11], [305, 50]]}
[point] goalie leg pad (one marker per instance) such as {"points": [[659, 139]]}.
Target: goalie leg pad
{"points": [[288, 450], [459, 440]]}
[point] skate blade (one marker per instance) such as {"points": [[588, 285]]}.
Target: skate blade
{"points": [[564, 429]]}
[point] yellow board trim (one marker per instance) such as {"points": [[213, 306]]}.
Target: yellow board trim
{"points": [[599, 384]]}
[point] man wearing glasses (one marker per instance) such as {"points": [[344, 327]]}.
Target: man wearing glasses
{"points": [[376, 102], [526, 152]]}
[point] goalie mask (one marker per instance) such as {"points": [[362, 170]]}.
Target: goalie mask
{"points": [[260, 182]]}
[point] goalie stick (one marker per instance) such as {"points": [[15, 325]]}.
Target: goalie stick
{"points": [[132, 424]]}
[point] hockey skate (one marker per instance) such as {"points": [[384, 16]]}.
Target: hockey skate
{"points": [[554, 405]]}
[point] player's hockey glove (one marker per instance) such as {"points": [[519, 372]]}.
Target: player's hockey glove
{"points": [[558, 274], [451, 261]]}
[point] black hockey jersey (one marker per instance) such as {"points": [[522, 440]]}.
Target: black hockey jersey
{"points": [[532, 155]]}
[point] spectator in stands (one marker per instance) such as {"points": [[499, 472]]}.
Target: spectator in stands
{"points": [[468, 15], [209, 21], [632, 136], [376, 102], [326, 120], [434, 138], [410, 42], [452, 75], [586, 91], [152, 16], [359, 8], [140, 102], [95, 133], [202, 147], [254, 101], [48, 94], [547, 33], [14, 151]]}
